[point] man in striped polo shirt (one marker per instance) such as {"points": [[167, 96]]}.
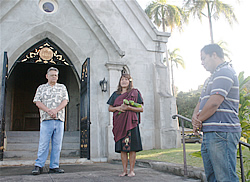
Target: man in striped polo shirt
{"points": [[217, 115]]}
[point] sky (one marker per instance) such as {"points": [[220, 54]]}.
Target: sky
{"points": [[196, 35]]}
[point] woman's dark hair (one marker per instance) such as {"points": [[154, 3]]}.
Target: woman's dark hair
{"points": [[130, 86], [211, 48]]}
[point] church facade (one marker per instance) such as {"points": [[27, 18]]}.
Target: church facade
{"points": [[91, 43]]}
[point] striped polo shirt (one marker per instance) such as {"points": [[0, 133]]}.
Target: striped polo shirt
{"points": [[223, 81]]}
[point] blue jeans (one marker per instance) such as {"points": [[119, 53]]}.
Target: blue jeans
{"points": [[50, 129], [219, 152]]}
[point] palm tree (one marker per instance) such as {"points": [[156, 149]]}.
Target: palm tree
{"points": [[214, 9], [176, 59], [226, 51], [166, 15]]}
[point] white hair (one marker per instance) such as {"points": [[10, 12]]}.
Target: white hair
{"points": [[53, 69]]}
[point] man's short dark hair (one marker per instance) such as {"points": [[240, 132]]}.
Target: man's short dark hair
{"points": [[211, 48]]}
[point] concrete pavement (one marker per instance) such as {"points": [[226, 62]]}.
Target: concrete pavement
{"points": [[95, 172]]}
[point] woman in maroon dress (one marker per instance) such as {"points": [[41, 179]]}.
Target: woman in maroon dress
{"points": [[126, 121]]}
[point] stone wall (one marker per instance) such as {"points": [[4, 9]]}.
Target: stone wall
{"points": [[114, 35]]}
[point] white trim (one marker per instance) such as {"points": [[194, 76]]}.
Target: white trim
{"points": [[223, 77], [235, 87], [218, 90], [220, 124], [226, 110], [205, 97], [232, 100]]}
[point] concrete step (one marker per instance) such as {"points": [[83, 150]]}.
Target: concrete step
{"points": [[33, 154], [32, 139], [34, 146], [22, 133], [24, 144], [36, 133]]}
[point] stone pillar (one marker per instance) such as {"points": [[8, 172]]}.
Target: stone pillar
{"points": [[169, 130], [167, 134], [114, 75]]}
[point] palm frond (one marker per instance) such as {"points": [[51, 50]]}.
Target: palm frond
{"points": [[176, 58], [226, 51], [226, 10], [217, 8], [166, 15], [242, 80]]}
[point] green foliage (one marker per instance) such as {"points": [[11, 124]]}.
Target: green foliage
{"points": [[196, 154], [166, 15], [246, 163], [131, 103], [174, 155], [211, 9], [186, 102], [175, 59], [226, 51], [244, 106], [242, 80]]}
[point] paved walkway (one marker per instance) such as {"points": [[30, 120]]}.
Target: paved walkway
{"points": [[88, 172]]}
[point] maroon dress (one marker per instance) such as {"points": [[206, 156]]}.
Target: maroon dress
{"points": [[126, 124]]}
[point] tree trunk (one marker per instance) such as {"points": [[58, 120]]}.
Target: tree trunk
{"points": [[210, 23]]}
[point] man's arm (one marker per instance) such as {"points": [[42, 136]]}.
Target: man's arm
{"points": [[210, 107], [195, 122], [41, 106], [60, 107], [208, 110], [196, 110], [51, 112]]}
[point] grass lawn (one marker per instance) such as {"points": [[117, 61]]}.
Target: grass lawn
{"points": [[176, 156], [173, 155]]}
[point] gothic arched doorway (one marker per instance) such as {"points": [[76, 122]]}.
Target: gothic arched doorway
{"points": [[27, 74]]}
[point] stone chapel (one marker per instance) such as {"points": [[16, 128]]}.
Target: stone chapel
{"points": [[91, 42]]}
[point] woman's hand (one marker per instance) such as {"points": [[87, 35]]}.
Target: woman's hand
{"points": [[124, 107], [118, 108]]}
